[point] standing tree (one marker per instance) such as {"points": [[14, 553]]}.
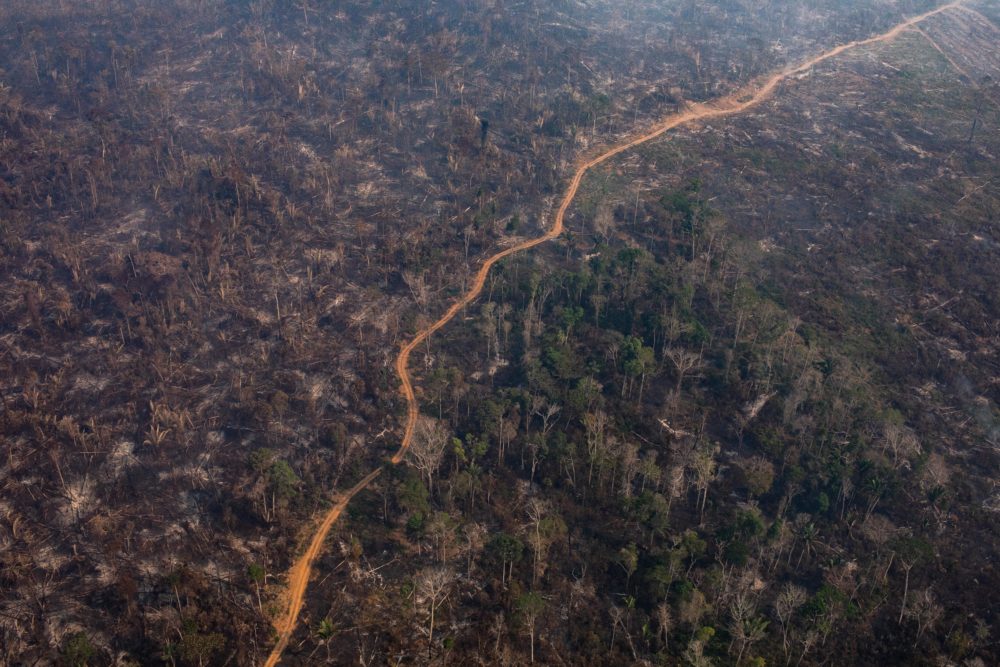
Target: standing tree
{"points": [[433, 588], [789, 600], [508, 550], [638, 361], [747, 627], [530, 606], [694, 654], [924, 610], [900, 442], [257, 575], [595, 424], [676, 485], [664, 621], [909, 552], [758, 474], [684, 362], [543, 529], [628, 560], [284, 484], [704, 467], [474, 535], [426, 452], [442, 527]]}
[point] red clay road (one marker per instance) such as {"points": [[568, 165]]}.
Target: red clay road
{"points": [[741, 100]]}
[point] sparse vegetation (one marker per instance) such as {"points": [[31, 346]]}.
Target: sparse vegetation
{"points": [[745, 412]]}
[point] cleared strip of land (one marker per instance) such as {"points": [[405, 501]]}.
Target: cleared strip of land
{"points": [[741, 100]]}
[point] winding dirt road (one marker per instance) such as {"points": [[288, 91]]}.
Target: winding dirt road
{"points": [[741, 100]]}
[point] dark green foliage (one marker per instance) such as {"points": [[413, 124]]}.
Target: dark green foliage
{"points": [[530, 604], [506, 548], [77, 650], [256, 573], [414, 499], [283, 479], [197, 648]]}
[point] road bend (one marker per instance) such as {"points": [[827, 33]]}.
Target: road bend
{"points": [[737, 102]]}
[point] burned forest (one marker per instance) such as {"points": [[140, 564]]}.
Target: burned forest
{"points": [[495, 332]]}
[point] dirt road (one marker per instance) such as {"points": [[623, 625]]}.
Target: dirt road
{"points": [[741, 100]]}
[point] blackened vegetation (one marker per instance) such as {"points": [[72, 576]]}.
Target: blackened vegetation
{"points": [[746, 415], [219, 220]]}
